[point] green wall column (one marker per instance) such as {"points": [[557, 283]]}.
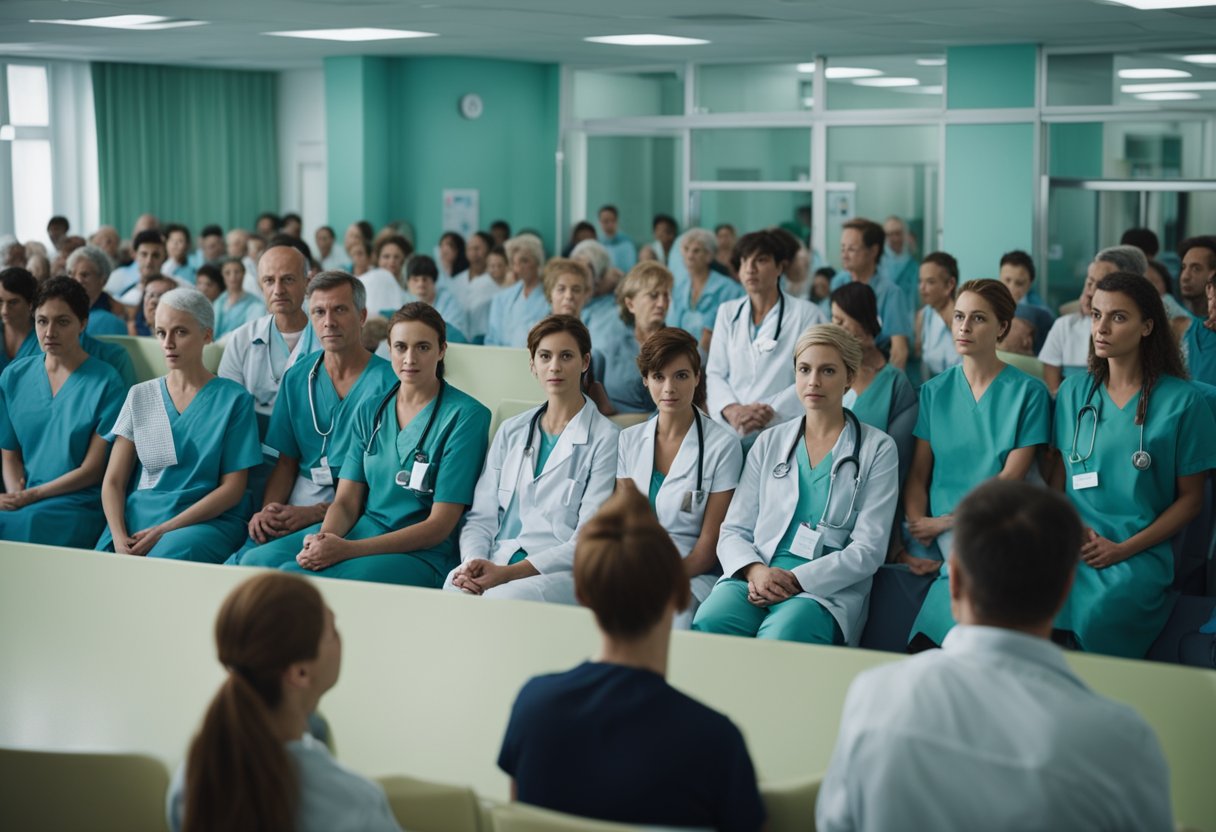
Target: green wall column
{"points": [[357, 135]]}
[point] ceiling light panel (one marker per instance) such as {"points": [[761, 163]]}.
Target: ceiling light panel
{"points": [[887, 82], [1177, 86], [1203, 60], [646, 40], [1154, 5], [1167, 96], [1160, 72], [837, 73], [130, 22], [353, 35]]}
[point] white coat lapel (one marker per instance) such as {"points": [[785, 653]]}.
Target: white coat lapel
{"points": [[778, 495], [574, 433]]}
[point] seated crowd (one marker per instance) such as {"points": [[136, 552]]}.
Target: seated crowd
{"points": [[330, 443]]}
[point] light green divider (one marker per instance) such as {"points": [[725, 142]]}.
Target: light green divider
{"points": [[149, 359], [980, 77]]}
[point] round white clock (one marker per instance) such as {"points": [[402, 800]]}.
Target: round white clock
{"points": [[471, 106]]}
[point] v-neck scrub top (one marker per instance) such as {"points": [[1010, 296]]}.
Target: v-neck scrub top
{"points": [[52, 432]]}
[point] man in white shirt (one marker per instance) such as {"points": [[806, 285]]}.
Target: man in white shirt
{"points": [[994, 731], [126, 284]]}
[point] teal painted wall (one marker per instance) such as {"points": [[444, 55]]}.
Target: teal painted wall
{"points": [[357, 151], [990, 76], [989, 198], [508, 154]]}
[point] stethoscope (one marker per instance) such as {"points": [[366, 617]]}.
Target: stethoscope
{"points": [[312, 406], [782, 469], [403, 478], [694, 499], [766, 345], [530, 451], [1141, 459]]}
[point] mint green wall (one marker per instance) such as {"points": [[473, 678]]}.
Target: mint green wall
{"points": [[991, 76], [1076, 151], [357, 147], [396, 140], [989, 194]]}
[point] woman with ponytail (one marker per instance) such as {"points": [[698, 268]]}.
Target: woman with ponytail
{"points": [[252, 764]]}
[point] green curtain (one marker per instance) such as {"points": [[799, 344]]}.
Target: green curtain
{"points": [[194, 146]]}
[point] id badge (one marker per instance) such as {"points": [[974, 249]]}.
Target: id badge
{"points": [[808, 542], [1080, 482], [693, 501], [322, 474], [420, 476]]}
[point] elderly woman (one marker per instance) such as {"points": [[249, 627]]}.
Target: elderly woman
{"points": [[599, 313], [643, 300], [515, 310], [53, 408], [695, 300], [567, 286], [17, 289], [193, 438], [90, 267]]}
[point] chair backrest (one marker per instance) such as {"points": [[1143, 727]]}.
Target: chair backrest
{"points": [[628, 420], [518, 817], [68, 791], [1026, 363], [422, 806], [149, 359], [791, 806], [505, 410], [492, 375]]}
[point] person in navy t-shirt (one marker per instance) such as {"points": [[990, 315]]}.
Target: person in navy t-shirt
{"points": [[611, 739]]}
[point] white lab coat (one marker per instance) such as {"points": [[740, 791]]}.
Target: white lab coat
{"points": [[722, 465], [737, 371], [383, 292], [993, 731], [578, 477], [764, 505], [246, 360]]}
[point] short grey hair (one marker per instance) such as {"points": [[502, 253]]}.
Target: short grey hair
{"points": [[699, 235], [193, 302], [334, 278], [1125, 259], [95, 256], [529, 244], [596, 255]]}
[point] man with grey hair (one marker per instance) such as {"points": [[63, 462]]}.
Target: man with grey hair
{"points": [[1066, 350], [310, 428]]}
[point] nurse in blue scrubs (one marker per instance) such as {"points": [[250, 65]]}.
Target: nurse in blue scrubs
{"points": [[235, 307], [881, 396], [934, 342], [190, 439], [90, 267], [17, 288], [696, 298], [516, 309], [408, 477], [1137, 442], [981, 419], [811, 519], [643, 299], [686, 463], [53, 410]]}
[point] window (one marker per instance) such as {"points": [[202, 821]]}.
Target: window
{"points": [[1183, 78], [26, 201], [888, 82], [755, 88]]}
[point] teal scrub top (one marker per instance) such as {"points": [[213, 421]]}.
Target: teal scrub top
{"points": [[228, 318], [512, 315], [615, 366], [292, 430], [602, 317], [104, 322], [1199, 344], [1121, 609], [873, 406], [29, 347], [112, 354], [812, 496], [53, 432], [657, 478], [970, 439], [456, 445], [692, 318], [214, 436]]}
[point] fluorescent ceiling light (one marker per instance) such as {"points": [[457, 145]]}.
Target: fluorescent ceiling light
{"points": [[1207, 60], [838, 72], [932, 89], [355, 34], [1167, 96], [1176, 86], [646, 40], [1154, 73], [888, 82], [134, 22], [1152, 5], [807, 69], [930, 61]]}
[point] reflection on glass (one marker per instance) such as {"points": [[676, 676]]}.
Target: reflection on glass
{"points": [[1176, 79], [31, 187], [603, 94], [752, 155], [1150, 149], [751, 210], [886, 82], [640, 175], [27, 97], [755, 88]]}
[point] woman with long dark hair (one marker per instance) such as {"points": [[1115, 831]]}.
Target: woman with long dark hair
{"points": [[253, 764], [1137, 441]]}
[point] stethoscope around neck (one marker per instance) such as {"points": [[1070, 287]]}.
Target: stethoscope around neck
{"points": [[312, 406], [1141, 459], [782, 469], [692, 500], [767, 345], [419, 456]]}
